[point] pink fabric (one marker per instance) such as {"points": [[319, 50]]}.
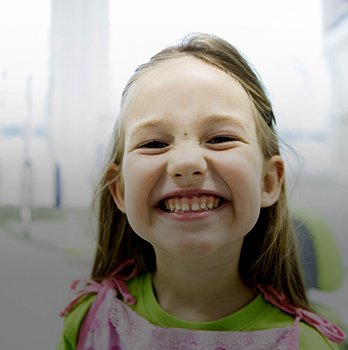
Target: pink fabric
{"points": [[111, 324], [116, 281], [116, 326], [97, 316], [137, 333]]}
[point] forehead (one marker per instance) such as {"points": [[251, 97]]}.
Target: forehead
{"points": [[186, 85]]}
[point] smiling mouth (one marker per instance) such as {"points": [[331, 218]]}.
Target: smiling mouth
{"points": [[194, 204]]}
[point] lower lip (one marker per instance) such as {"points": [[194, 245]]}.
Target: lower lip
{"points": [[191, 215]]}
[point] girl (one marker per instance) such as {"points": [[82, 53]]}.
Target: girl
{"points": [[195, 248]]}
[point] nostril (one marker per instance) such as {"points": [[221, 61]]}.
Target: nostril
{"points": [[193, 173]]}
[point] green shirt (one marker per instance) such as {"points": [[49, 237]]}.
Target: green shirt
{"points": [[257, 315]]}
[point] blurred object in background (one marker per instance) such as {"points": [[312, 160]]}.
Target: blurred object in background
{"points": [[322, 261], [335, 42], [78, 94], [64, 47]]}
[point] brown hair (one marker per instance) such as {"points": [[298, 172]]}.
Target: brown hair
{"points": [[269, 254]]}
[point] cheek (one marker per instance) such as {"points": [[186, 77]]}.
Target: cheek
{"points": [[243, 177], [242, 171], [134, 176], [140, 176]]}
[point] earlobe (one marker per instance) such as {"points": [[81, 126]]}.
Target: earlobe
{"points": [[273, 179], [116, 187]]}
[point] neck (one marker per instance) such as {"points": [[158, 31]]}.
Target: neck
{"points": [[200, 291]]}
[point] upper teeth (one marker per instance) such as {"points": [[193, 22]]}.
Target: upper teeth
{"points": [[183, 204]]}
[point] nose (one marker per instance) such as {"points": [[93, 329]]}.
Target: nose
{"points": [[187, 163]]}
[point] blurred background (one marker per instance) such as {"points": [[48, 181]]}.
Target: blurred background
{"points": [[63, 66]]}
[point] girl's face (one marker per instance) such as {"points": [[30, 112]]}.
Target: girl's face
{"points": [[193, 175]]}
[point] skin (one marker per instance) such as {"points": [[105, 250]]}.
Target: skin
{"points": [[190, 131]]}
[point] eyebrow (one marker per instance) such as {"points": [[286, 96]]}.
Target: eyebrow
{"points": [[224, 118], [210, 119], [150, 123]]}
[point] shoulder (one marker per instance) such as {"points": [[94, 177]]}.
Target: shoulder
{"points": [[137, 284], [73, 321], [310, 338]]}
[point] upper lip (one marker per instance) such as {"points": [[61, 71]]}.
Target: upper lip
{"points": [[189, 193]]}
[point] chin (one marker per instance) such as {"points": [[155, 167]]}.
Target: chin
{"points": [[195, 249]]}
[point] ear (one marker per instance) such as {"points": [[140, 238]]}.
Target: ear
{"points": [[273, 178], [116, 186]]}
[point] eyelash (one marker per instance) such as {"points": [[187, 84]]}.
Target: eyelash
{"points": [[216, 140], [221, 139], [154, 144]]}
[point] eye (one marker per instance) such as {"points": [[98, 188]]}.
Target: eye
{"points": [[221, 139], [153, 144]]}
